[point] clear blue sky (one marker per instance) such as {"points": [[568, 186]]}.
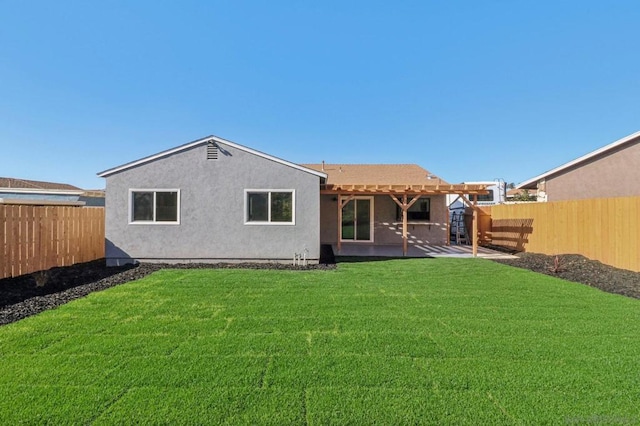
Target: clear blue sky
{"points": [[470, 90]]}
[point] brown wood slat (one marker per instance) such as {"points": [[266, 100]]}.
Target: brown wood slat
{"points": [[604, 229], [35, 238]]}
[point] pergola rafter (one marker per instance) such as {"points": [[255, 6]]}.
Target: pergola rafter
{"points": [[436, 189]]}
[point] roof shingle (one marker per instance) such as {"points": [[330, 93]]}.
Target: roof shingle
{"points": [[376, 174], [15, 183]]}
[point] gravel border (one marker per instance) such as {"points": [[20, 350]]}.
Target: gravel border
{"points": [[30, 294], [21, 297], [577, 268]]}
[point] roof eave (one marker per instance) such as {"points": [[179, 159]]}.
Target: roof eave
{"points": [[42, 191], [534, 180], [109, 172], [32, 202]]}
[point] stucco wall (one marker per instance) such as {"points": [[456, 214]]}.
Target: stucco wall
{"points": [[614, 175], [212, 210], [387, 229]]}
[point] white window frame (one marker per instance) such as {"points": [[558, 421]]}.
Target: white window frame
{"points": [[269, 222], [153, 222]]}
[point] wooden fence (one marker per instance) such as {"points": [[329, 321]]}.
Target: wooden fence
{"points": [[604, 229], [37, 238]]}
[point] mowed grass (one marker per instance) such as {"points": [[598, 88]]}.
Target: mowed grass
{"points": [[431, 341]]}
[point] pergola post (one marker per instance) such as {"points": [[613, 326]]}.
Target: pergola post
{"points": [[339, 227], [405, 243], [404, 205], [474, 223], [448, 216], [474, 241]]}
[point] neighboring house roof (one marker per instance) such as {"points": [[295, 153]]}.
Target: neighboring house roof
{"points": [[98, 193], [202, 141], [33, 192], [532, 183], [93, 198], [518, 191], [40, 202], [376, 174], [34, 185], [513, 191]]}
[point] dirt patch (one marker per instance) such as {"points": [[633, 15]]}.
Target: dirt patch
{"points": [[30, 294], [577, 268]]}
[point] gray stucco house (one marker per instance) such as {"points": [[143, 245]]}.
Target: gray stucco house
{"points": [[214, 200], [211, 199]]}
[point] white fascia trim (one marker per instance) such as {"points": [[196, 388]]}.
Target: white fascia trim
{"points": [[28, 202], [269, 157], [580, 159], [42, 191], [211, 138]]}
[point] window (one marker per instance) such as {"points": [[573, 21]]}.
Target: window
{"points": [[270, 207], [155, 206], [485, 197], [420, 210]]}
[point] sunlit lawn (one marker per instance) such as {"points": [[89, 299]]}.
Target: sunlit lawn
{"points": [[440, 341]]}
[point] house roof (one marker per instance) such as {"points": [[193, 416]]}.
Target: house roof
{"points": [[517, 191], [532, 183], [25, 185], [202, 141], [376, 174], [30, 202], [94, 193], [388, 179]]}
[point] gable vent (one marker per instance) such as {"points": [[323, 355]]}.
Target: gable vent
{"points": [[212, 151]]}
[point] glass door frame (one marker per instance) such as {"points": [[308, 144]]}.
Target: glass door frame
{"points": [[343, 204]]}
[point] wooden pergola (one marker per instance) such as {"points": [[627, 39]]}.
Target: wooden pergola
{"points": [[405, 196]]}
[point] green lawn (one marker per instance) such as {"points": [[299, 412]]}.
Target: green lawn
{"points": [[434, 341]]}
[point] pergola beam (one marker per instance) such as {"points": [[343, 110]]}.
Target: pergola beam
{"points": [[403, 189]]}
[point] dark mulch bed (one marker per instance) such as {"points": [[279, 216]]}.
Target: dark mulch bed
{"points": [[30, 294], [577, 268]]}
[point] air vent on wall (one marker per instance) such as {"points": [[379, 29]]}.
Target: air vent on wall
{"points": [[212, 151]]}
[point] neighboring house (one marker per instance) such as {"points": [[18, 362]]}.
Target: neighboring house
{"points": [[93, 198], [23, 191], [516, 195], [496, 195], [214, 200], [611, 171]]}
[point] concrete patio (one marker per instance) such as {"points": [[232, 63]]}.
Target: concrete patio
{"points": [[417, 250]]}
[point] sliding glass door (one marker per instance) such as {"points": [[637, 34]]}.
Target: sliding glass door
{"points": [[357, 220]]}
